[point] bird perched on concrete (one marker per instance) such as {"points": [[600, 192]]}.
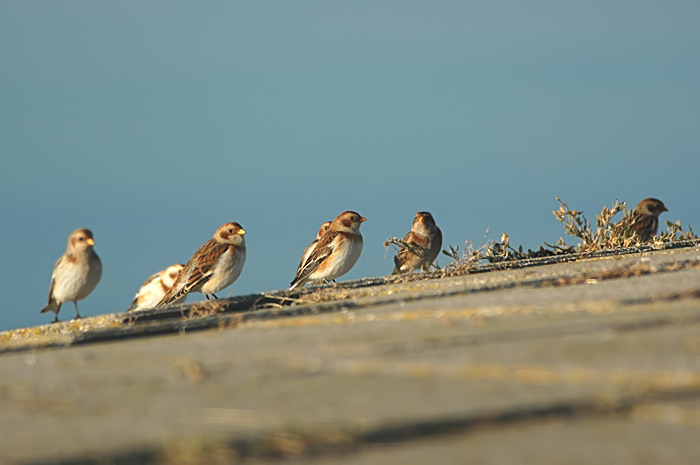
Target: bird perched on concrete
{"points": [[155, 288], [307, 251], [335, 253], [424, 240], [75, 274], [216, 265], [645, 220]]}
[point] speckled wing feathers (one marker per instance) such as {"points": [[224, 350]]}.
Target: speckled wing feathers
{"points": [[405, 254], [196, 272], [324, 248], [645, 226]]}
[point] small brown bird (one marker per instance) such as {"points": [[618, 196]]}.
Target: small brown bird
{"points": [[425, 238], [155, 288], [335, 253], [75, 274], [216, 265], [645, 220], [307, 251]]}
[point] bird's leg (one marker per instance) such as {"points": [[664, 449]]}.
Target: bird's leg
{"points": [[55, 320], [77, 313], [214, 295]]}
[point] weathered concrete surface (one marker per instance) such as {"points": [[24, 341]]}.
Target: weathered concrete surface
{"points": [[591, 362]]}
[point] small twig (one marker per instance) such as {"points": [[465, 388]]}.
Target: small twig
{"points": [[398, 244]]}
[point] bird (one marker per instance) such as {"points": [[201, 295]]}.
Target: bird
{"points": [[425, 238], [76, 273], [307, 251], [645, 219], [335, 253], [216, 265], [155, 288]]}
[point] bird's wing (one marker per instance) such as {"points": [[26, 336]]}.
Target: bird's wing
{"points": [[323, 249], [307, 251], [138, 293], [645, 226], [413, 240], [197, 271], [52, 304]]}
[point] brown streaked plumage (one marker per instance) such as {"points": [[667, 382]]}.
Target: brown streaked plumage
{"points": [[425, 238], [155, 287], [216, 265], [309, 248], [645, 221], [335, 253], [76, 273]]}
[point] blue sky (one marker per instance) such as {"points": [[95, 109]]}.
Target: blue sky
{"points": [[153, 123]]}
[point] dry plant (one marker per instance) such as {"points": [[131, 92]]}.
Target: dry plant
{"points": [[502, 251], [466, 260], [496, 252], [608, 235], [397, 244], [203, 309], [320, 295], [611, 235], [674, 233]]}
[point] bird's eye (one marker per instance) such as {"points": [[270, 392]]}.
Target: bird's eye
{"points": [[230, 231]]}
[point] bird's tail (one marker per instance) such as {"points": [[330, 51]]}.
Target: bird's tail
{"points": [[297, 282], [171, 296], [53, 306]]}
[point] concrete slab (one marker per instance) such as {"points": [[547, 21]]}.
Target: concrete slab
{"points": [[587, 362]]}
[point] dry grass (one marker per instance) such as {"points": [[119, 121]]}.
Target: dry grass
{"points": [[203, 309], [613, 235], [609, 234], [465, 261], [398, 244]]}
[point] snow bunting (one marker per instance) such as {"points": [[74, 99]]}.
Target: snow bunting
{"points": [[75, 274], [155, 288], [425, 241], [307, 251], [216, 265], [335, 253], [645, 221]]}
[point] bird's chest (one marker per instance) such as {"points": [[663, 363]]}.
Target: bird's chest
{"points": [[226, 270], [345, 256]]}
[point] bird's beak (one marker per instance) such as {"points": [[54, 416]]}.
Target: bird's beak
{"points": [[241, 232], [421, 219], [90, 241], [362, 219], [665, 209]]}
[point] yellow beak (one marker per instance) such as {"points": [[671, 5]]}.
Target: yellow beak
{"points": [[241, 232], [90, 241], [362, 219]]}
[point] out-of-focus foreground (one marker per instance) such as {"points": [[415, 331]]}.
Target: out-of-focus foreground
{"points": [[596, 361]]}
